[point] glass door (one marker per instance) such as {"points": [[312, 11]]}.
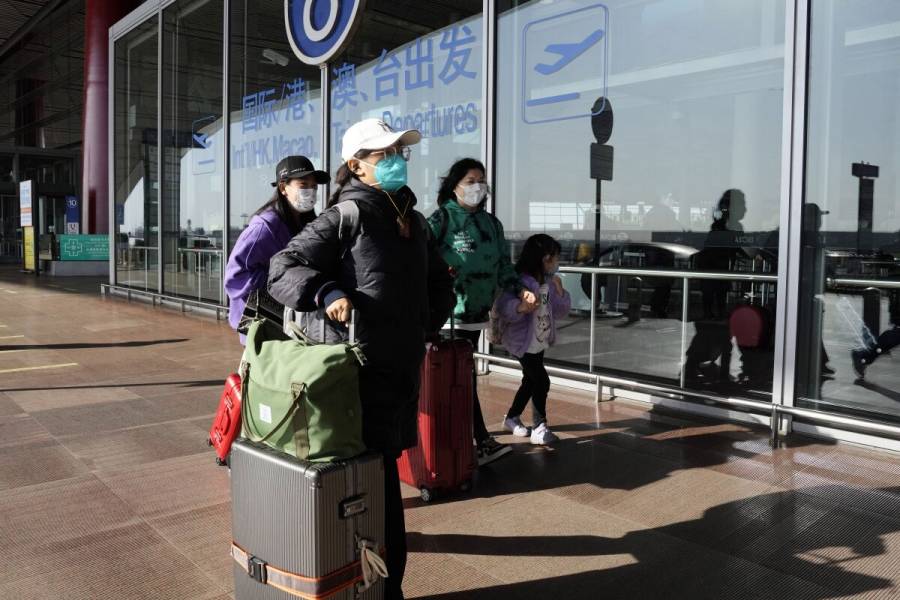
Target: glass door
{"points": [[193, 146], [849, 326], [136, 156], [10, 250]]}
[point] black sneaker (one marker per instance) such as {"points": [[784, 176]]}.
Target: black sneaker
{"points": [[490, 450]]}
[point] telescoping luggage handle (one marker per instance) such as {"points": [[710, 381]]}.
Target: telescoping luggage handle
{"points": [[294, 330]]}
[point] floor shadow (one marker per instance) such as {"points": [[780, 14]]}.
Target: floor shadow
{"points": [[88, 345], [623, 454], [803, 558], [184, 384]]}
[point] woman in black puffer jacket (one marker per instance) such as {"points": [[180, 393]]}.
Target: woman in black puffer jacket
{"points": [[387, 267]]}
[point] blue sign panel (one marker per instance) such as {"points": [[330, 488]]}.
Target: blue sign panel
{"points": [[564, 64], [319, 29], [73, 215]]}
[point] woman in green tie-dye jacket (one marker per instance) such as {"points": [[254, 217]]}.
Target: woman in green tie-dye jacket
{"points": [[471, 241]]}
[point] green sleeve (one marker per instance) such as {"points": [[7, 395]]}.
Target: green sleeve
{"points": [[507, 278]]}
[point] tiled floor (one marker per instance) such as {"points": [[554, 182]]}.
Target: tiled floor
{"points": [[107, 489]]}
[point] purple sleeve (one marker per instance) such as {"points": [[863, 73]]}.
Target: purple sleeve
{"points": [[508, 305], [561, 304], [248, 263]]}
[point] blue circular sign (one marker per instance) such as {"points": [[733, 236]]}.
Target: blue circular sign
{"points": [[319, 29]]}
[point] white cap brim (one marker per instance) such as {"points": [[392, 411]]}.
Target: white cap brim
{"points": [[408, 137]]}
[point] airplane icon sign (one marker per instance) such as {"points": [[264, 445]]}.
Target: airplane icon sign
{"points": [[568, 53], [564, 60], [202, 140]]}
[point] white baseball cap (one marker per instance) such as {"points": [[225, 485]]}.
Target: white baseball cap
{"points": [[375, 134]]}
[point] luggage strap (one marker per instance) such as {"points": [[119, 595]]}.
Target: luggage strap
{"points": [[365, 571]]}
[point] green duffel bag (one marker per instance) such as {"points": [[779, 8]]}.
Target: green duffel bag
{"points": [[301, 397]]}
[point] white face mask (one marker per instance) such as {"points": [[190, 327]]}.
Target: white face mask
{"points": [[473, 194], [302, 199]]}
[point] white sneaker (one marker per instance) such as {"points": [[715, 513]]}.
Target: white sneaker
{"points": [[542, 435], [515, 426]]}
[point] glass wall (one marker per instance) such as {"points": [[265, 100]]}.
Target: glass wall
{"points": [[136, 189], [647, 135], [193, 168], [415, 69], [275, 106], [850, 287]]}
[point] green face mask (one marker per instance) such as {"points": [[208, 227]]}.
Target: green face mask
{"points": [[390, 172]]}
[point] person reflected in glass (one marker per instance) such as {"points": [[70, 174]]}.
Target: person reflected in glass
{"points": [[712, 342], [471, 241], [662, 223], [888, 340], [287, 212]]}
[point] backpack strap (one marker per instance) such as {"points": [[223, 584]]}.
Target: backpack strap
{"points": [[349, 226], [444, 222]]}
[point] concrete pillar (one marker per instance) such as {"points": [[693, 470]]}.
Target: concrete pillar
{"points": [[99, 16]]}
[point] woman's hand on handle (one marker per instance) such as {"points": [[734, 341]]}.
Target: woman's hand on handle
{"points": [[340, 310]]}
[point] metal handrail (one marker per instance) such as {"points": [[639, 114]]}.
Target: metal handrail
{"points": [[599, 378], [107, 289], [889, 284], [637, 272], [756, 405], [201, 250], [199, 253]]}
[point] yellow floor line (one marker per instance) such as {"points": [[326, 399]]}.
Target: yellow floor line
{"points": [[11, 337], [10, 351], [10, 292], [20, 369]]}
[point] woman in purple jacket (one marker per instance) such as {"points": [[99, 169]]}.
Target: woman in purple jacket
{"points": [[291, 207], [529, 329]]}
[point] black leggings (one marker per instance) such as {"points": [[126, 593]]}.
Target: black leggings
{"points": [[394, 529], [535, 387], [481, 432]]}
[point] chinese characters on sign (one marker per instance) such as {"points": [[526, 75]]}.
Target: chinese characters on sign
{"points": [[431, 84], [419, 76], [260, 108]]}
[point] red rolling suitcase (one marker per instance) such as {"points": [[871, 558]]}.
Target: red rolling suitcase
{"points": [[444, 459], [227, 422]]}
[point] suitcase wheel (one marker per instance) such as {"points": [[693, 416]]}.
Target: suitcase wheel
{"points": [[221, 462], [427, 495], [209, 442], [465, 486]]}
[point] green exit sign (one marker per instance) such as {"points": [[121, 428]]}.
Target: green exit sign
{"points": [[83, 247]]}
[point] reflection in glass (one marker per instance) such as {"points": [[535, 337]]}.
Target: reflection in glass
{"points": [[686, 177], [415, 70], [275, 104], [849, 313], [193, 150], [136, 192]]}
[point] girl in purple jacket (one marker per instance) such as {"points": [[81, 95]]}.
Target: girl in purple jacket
{"points": [[291, 207], [529, 329]]}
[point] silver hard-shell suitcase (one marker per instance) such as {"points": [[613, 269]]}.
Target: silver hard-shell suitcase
{"points": [[303, 529]]}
